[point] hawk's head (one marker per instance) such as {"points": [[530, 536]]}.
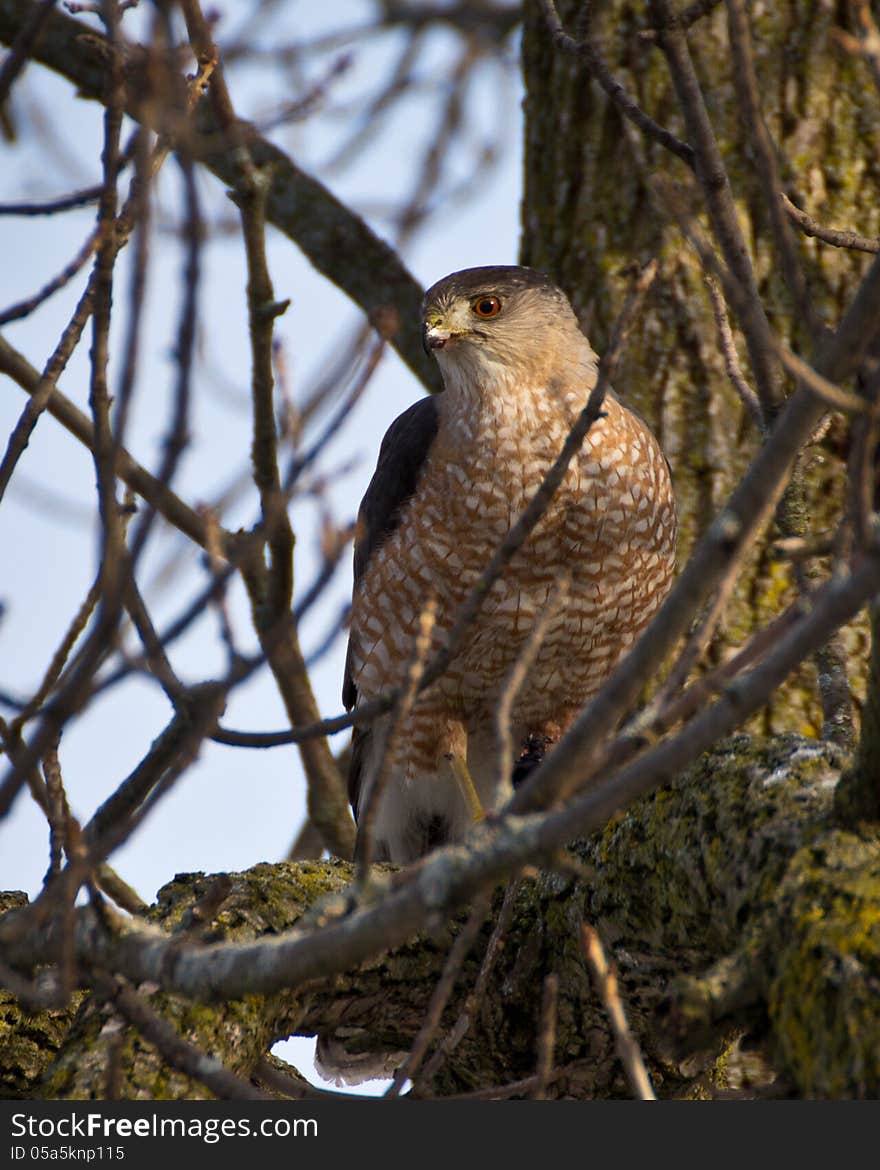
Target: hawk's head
{"points": [[481, 318]]}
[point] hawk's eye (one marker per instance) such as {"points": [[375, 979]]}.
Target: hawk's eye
{"points": [[486, 306]]}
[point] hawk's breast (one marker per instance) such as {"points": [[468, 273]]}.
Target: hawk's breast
{"points": [[610, 529]]}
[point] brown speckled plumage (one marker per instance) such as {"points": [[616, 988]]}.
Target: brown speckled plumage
{"points": [[454, 475]]}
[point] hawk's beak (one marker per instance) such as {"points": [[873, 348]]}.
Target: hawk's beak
{"points": [[433, 337]]}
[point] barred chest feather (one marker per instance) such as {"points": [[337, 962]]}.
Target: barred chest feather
{"points": [[610, 528]]}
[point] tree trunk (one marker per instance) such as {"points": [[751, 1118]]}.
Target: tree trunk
{"points": [[588, 212]]}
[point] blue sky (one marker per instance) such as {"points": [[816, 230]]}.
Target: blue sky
{"points": [[233, 808]]}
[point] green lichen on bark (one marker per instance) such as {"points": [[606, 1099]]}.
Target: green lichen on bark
{"points": [[264, 900], [29, 1040], [742, 918], [685, 865], [588, 212], [823, 998], [794, 912]]}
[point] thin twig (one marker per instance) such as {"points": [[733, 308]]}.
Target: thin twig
{"points": [[30, 304], [668, 707], [263, 310], [830, 393], [587, 50], [75, 199], [155, 653], [55, 667], [191, 721], [57, 810], [391, 738], [546, 1037], [107, 879], [140, 212], [387, 326], [699, 640], [175, 511], [43, 391], [605, 982], [458, 952], [299, 205], [40, 388], [715, 183], [800, 548], [833, 236], [176, 1052], [125, 896], [862, 479], [516, 676], [475, 998], [764, 150], [727, 345]]}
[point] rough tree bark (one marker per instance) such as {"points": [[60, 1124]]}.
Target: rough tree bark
{"points": [[742, 918], [588, 212]]}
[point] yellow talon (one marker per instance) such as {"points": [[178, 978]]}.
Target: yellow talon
{"points": [[466, 785]]}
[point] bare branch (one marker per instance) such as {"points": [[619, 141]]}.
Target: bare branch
{"points": [[26, 307], [338, 243], [178, 1052], [16, 59], [458, 952], [727, 346], [52, 206], [517, 675], [588, 51], [474, 999], [546, 1036], [605, 982], [838, 239], [401, 710], [764, 149], [175, 511], [715, 183]]}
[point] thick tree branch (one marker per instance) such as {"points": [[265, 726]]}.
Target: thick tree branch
{"points": [[719, 871]]}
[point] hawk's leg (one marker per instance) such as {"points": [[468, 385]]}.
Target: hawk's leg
{"points": [[466, 786]]}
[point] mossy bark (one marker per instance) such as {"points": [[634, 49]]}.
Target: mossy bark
{"points": [[743, 920], [29, 1039], [588, 213]]}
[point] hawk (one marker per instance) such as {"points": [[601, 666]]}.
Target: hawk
{"points": [[454, 473]]}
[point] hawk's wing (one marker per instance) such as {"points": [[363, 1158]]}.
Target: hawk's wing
{"points": [[401, 459]]}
